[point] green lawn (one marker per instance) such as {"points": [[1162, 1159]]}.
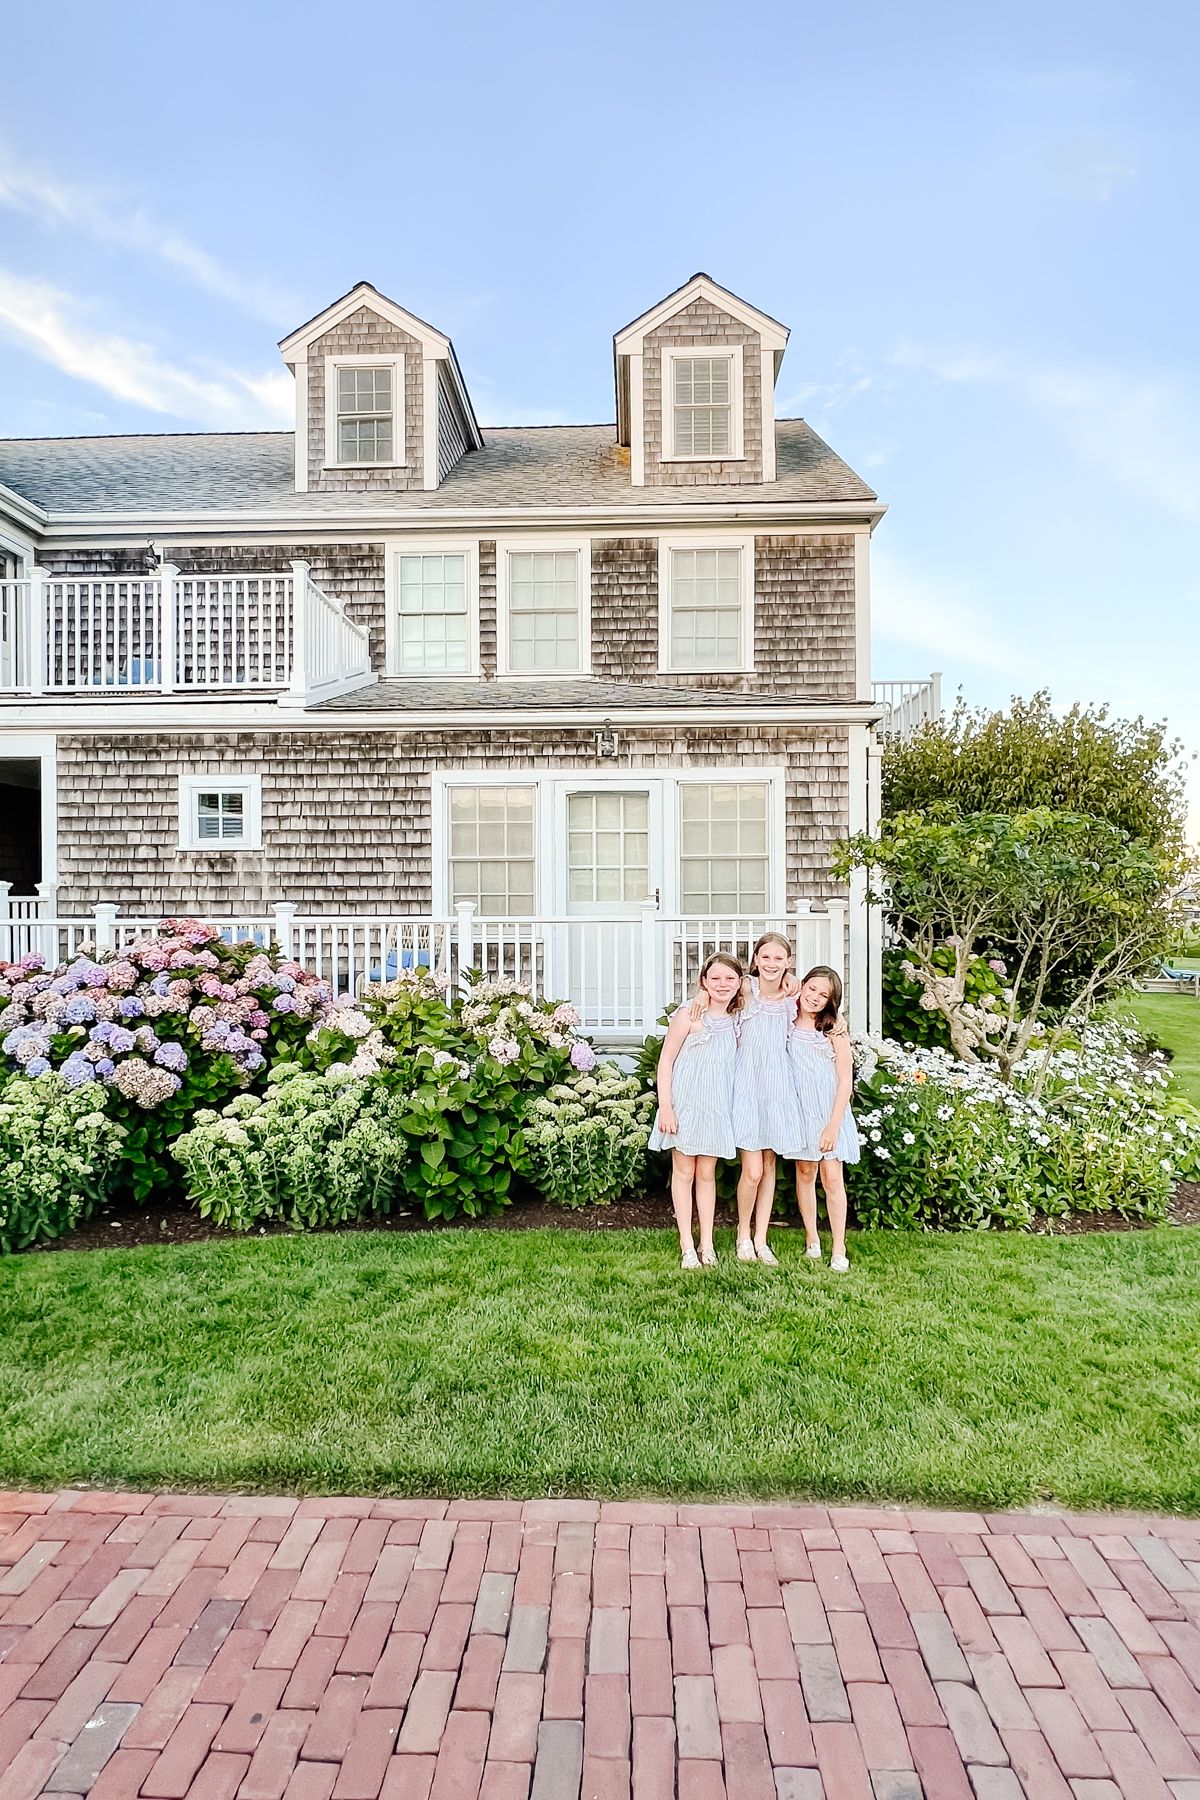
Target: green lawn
{"points": [[1175, 1020], [943, 1369]]}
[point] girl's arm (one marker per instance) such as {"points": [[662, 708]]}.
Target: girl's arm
{"points": [[844, 1065], [677, 1031]]}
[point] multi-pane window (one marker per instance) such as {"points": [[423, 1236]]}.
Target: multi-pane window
{"points": [[365, 415], [724, 864], [434, 620], [706, 609], [702, 401], [492, 849], [608, 847], [220, 815], [543, 610]]}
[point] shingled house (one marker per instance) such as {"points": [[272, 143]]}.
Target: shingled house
{"points": [[576, 702]]}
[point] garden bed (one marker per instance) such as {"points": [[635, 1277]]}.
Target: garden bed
{"points": [[133, 1227]]}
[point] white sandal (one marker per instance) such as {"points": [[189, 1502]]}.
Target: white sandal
{"points": [[746, 1251], [708, 1259], [839, 1264], [813, 1252], [768, 1257], [689, 1260]]}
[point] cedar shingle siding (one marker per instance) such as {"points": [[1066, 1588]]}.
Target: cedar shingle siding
{"points": [[346, 816]]}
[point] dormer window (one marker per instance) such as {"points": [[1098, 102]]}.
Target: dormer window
{"points": [[364, 398], [704, 406]]}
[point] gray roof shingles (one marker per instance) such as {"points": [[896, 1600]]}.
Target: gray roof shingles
{"points": [[538, 696], [254, 472]]}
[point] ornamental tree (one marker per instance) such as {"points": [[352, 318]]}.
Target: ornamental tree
{"points": [[1060, 890], [1125, 771]]}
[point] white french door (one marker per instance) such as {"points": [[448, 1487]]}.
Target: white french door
{"points": [[608, 856]]}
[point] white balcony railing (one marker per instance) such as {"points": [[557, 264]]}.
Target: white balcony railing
{"points": [[621, 973], [908, 704], [174, 633]]}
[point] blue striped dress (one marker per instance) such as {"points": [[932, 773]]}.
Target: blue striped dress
{"points": [[702, 1091], [814, 1074], [766, 1113]]}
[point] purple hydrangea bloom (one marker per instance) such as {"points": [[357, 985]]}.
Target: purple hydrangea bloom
{"points": [[79, 1010], [160, 984], [131, 1007], [95, 976], [284, 1003], [101, 1033], [582, 1056], [105, 1068], [171, 1056], [39, 1066], [77, 1070], [120, 1041], [286, 984]]}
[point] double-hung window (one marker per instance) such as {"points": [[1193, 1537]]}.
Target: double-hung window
{"points": [[724, 847], [492, 850], [706, 606], [364, 398], [702, 405], [544, 608], [432, 610]]}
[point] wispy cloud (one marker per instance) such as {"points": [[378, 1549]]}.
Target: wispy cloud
{"points": [[1087, 166], [68, 206], [945, 621], [56, 327], [1142, 431]]}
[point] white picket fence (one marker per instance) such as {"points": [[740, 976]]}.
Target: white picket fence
{"points": [[176, 633], [622, 973]]}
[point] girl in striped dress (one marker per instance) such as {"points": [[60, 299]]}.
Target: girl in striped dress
{"points": [[695, 1102], [766, 1113], [823, 1075]]}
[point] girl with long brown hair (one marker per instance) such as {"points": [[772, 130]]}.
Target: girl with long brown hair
{"points": [[766, 1116], [823, 1074], [695, 1102]]}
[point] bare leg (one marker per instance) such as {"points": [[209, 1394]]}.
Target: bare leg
{"points": [[806, 1194], [706, 1200], [747, 1190], [683, 1175], [764, 1200], [834, 1184]]}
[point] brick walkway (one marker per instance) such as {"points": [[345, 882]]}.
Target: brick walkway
{"points": [[343, 1649]]}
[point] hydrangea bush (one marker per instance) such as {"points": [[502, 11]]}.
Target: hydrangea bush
{"points": [[586, 1137], [60, 1157], [325, 1147], [165, 1025], [1088, 1127]]}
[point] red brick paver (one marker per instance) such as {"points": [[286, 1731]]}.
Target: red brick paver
{"points": [[166, 1647]]}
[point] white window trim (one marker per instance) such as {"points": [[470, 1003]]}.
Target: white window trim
{"points": [[505, 547], [396, 364], [673, 353], [552, 785], [223, 781], [742, 542], [429, 546]]}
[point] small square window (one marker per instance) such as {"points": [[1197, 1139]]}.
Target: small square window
{"points": [[219, 814]]}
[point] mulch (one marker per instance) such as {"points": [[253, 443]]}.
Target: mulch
{"points": [[129, 1227]]}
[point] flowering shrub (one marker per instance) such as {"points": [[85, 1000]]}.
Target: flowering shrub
{"points": [[165, 1025], [1084, 1128], [912, 1016], [59, 1158], [325, 1148], [586, 1137]]}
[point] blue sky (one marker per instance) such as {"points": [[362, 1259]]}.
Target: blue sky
{"points": [[979, 224]]}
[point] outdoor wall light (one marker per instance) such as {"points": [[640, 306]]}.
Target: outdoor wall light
{"points": [[606, 739]]}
